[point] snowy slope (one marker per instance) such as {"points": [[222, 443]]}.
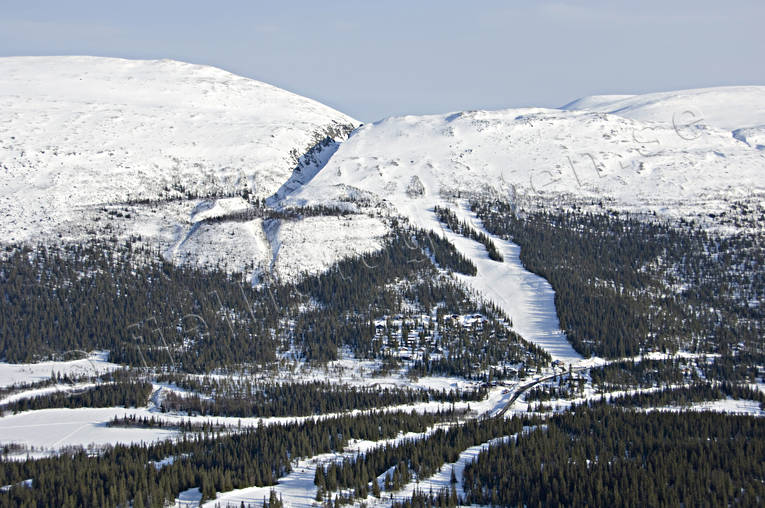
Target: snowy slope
{"points": [[82, 136], [543, 151], [313, 244], [93, 365], [407, 165], [727, 108]]}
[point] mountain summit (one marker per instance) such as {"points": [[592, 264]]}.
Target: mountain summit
{"points": [[78, 132]]}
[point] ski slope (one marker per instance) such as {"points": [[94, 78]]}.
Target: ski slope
{"points": [[526, 298], [634, 152]]}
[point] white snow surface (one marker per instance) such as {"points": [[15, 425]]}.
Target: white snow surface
{"points": [[527, 298], [549, 152], [54, 429], [752, 136], [38, 392], [726, 107], [81, 133], [727, 405], [313, 244], [407, 165], [94, 364]]}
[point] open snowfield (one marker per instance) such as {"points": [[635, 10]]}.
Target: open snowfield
{"points": [[89, 130], [88, 426], [312, 245], [726, 107], [54, 429], [644, 153], [14, 373]]}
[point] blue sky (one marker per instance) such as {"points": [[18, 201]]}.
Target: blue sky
{"points": [[376, 59]]}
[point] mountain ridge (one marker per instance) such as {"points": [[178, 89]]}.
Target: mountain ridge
{"points": [[93, 146], [724, 107]]}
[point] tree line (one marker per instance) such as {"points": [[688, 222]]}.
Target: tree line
{"points": [[216, 461], [683, 396], [229, 398], [420, 457], [616, 280], [148, 312], [450, 218], [612, 457], [125, 393]]}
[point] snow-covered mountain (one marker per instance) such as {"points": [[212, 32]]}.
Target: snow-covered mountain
{"points": [[647, 159], [738, 109], [726, 107], [86, 143], [101, 146], [93, 130], [677, 152]]}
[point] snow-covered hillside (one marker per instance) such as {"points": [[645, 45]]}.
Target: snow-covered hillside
{"points": [[85, 139], [728, 108], [536, 152], [410, 164], [99, 147]]}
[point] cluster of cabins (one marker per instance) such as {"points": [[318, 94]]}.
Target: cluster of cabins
{"points": [[414, 345]]}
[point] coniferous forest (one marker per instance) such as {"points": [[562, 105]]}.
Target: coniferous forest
{"points": [[199, 342], [148, 312], [449, 218], [625, 286], [227, 398], [611, 457], [127, 393], [601, 456], [216, 461]]}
